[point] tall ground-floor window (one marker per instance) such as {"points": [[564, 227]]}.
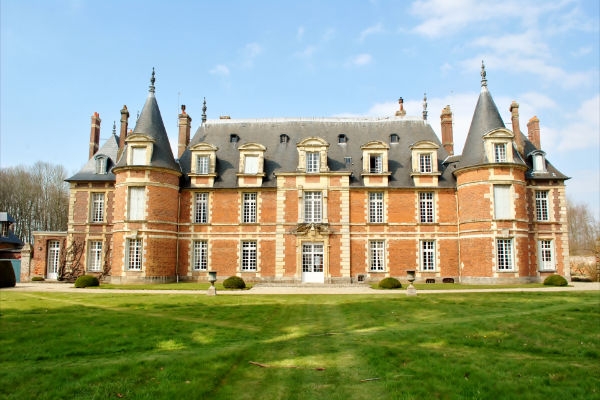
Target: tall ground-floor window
{"points": [[249, 256], [377, 255], [95, 256], [134, 254], [427, 255], [504, 254], [200, 255], [53, 258], [546, 255]]}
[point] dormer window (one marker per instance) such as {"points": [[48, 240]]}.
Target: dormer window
{"points": [[498, 146], [251, 167], [283, 138], [234, 138], [101, 164], [139, 149], [202, 164], [539, 161], [312, 162], [394, 138], [375, 163], [312, 155], [342, 139], [500, 152], [425, 163]]}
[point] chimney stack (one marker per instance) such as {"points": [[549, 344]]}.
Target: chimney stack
{"points": [[514, 113], [95, 134], [447, 133], [185, 124], [124, 123], [533, 132]]}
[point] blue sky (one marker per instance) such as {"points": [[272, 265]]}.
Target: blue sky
{"points": [[61, 61]]}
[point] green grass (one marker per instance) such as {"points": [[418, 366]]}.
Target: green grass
{"points": [[108, 345]]}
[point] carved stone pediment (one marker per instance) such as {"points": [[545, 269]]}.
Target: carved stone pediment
{"points": [[311, 228]]}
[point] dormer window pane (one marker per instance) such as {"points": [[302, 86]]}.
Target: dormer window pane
{"points": [[283, 138], [251, 165], [375, 164], [538, 163], [342, 138], [138, 156], [202, 163], [101, 165], [312, 162], [500, 152], [394, 138], [425, 163]]}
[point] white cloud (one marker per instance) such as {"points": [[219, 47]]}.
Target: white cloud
{"points": [[360, 60], [249, 54], [581, 130], [372, 30], [220, 70]]}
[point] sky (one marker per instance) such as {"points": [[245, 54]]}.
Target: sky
{"points": [[63, 60]]}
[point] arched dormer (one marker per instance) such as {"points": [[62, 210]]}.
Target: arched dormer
{"points": [[424, 162], [251, 164], [375, 163], [139, 149], [538, 161], [312, 155], [203, 164], [498, 146], [101, 164]]}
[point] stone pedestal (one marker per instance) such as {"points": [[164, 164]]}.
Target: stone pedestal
{"points": [[212, 291], [411, 290]]}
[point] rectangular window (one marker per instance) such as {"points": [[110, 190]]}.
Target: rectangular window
{"points": [[53, 257], [375, 163], [97, 207], [425, 163], [313, 207], [377, 255], [249, 256], [202, 163], [312, 257], [541, 205], [251, 165], [95, 256], [546, 255], [426, 207], [504, 254], [312, 162], [249, 208], [502, 204], [201, 208], [138, 156], [136, 203], [134, 254], [427, 255], [376, 207], [200, 255], [500, 152]]}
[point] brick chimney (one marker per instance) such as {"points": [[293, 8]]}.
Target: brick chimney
{"points": [[447, 133], [95, 134], [185, 124], [533, 132], [124, 123], [514, 115]]}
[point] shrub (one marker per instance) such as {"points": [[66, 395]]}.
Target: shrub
{"points": [[37, 279], [86, 280], [7, 274], [390, 283], [555, 280], [234, 282]]}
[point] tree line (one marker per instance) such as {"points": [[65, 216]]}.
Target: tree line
{"points": [[37, 197]]}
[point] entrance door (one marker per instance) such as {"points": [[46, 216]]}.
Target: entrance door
{"points": [[53, 258], [312, 263]]}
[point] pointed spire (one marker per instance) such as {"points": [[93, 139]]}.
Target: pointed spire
{"points": [[152, 80], [204, 111], [424, 106], [483, 74], [114, 128]]}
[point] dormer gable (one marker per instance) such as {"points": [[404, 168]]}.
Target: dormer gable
{"points": [[498, 146], [251, 164], [312, 155], [424, 163], [101, 164], [375, 170], [203, 164], [538, 162], [139, 149]]}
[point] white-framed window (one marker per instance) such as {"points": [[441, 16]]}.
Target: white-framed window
{"points": [[201, 208], [502, 203], [312, 257], [101, 165], [134, 254], [500, 152], [541, 205], [138, 156], [200, 255], [427, 255], [53, 256], [313, 206], [136, 203], [375, 163], [312, 161], [504, 255], [95, 256], [425, 162], [202, 164], [97, 207], [376, 207], [251, 165], [376, 255], [546, 255], [249, 208], [249, 256], [426, 204]]}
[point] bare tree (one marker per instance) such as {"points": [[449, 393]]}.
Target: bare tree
{"points": [[584, 229]]}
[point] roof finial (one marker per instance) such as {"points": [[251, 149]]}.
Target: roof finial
{"points": [[483, 80], [114, 128], [152, 80], [204, 111], [424, 106]]}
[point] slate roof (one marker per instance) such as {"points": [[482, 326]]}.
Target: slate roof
{"points": [[283, 157], [88, 173]]}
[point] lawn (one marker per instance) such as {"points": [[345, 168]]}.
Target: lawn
{"points": [[110, 345]]}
